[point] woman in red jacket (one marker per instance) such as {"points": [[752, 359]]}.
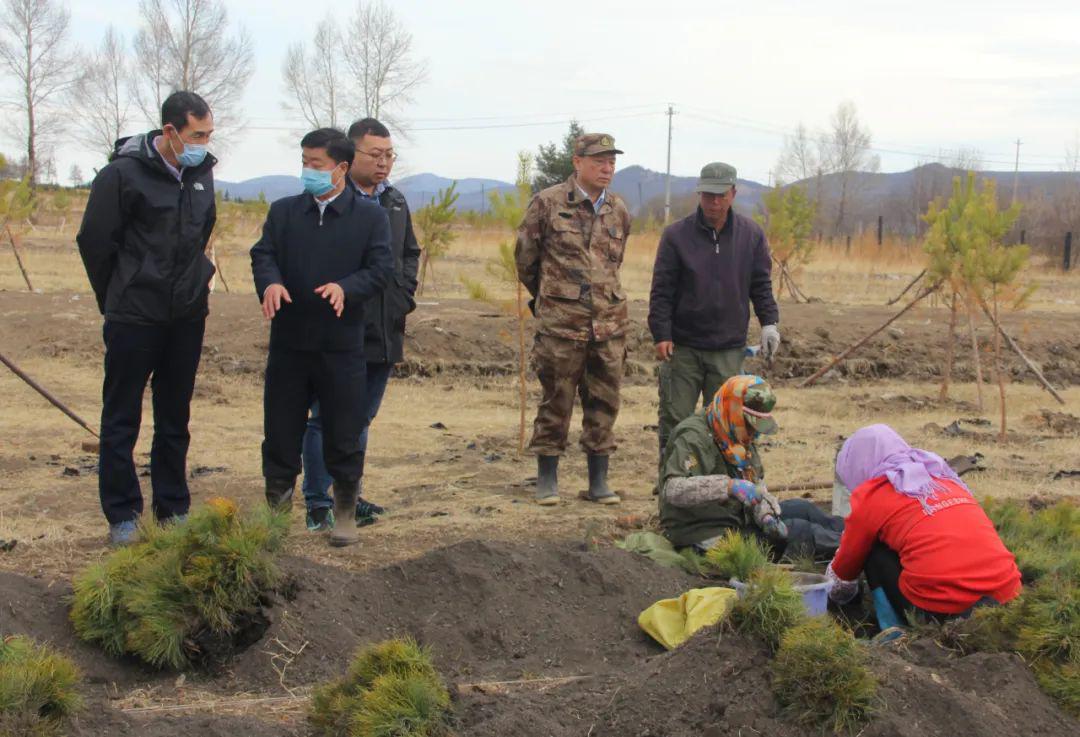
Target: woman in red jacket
{"points": [[922, 539]]}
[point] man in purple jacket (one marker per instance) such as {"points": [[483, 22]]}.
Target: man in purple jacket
{"points": [[709, 267]]}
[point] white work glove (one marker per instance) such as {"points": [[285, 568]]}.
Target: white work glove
{"points": [[770, 341]]}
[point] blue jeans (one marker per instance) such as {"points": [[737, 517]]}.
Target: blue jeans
{"points": [[316, 485]]}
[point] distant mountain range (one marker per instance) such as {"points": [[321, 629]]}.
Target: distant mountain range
{"points": [[637, 185], [899, 196]]}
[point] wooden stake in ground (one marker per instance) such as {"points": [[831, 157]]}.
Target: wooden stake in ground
{"points": [[18, 258], [975, 356], [220, 271], [45, 393], [999, 373], [1016, 349], [950, 349], [522, 397], [862, 341]]}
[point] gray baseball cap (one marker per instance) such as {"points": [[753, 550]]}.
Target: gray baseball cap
{"points": [[716, 178]]}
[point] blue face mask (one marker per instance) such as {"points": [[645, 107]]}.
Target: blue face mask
{"points": [[317, 182], [192, 154]]}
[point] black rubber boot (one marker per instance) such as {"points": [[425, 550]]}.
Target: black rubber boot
{"points": [[345, 495], [598, 487], [279, 494], [547, 480]]}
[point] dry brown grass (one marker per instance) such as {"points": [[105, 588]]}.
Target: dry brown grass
{"points": [[420, 472]]}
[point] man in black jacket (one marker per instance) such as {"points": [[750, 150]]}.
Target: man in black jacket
{"points": [[384, 316], [710, 266], [143, 240], [323, 254]]}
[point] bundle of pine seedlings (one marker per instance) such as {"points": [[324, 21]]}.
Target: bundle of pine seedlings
{"points": [[1043, 623], [769, 606], [737, 555], [165, 599], [390, 690], [37, 689], [821, 678]]}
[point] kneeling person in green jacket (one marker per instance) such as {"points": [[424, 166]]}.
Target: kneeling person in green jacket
{"points": [[712, 479]]}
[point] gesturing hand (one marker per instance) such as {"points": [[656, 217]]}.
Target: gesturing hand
{"points": [[272, 298], [335, 294]]}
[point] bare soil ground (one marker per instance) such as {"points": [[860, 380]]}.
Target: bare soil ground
{"points": [[501, 588]]}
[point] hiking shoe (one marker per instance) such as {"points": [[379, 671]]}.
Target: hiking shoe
{"points": [[320, 519], [367, 512], [123, 533]]}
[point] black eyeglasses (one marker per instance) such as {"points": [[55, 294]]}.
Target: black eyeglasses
{"points": [[379, 155]]}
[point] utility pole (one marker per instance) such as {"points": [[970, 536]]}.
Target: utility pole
{"points": [[667, 181], [1016, 171]]}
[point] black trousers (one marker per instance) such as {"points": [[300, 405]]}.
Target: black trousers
{"points": [[882, 568], [133, 354], [811, 532], [336, 379]]}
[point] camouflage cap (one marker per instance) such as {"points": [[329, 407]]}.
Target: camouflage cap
{"points": [[594, 144], [716, 178], [758, 403]]}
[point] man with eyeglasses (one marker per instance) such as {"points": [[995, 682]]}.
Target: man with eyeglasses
{"points": [[710, 266], [569, 250], [384, 318]]}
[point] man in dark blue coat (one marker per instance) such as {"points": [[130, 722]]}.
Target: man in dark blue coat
{"points": [[143, 241], [323, 254], [384, 316]]}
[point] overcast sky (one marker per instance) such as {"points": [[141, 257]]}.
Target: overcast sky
{"points": [[924, 76]]}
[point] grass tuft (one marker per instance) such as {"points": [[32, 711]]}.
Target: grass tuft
{"points": [[820, 676], [769, 606], [181, 584], [391, 689], [737, 555], [1043, 623], [37, 688]]}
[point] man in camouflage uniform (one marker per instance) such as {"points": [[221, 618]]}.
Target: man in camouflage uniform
{"points": [[569, 249]]}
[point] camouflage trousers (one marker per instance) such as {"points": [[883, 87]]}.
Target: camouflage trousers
{"points": [[591, 369]]}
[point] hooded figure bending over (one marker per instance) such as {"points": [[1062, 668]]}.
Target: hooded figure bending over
{"points": [[922, 539], [712, 479]]}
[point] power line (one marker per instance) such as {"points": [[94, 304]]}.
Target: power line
{"points": [[876, 149], [491, 126]]}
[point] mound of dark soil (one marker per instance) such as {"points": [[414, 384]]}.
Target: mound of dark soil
{"points": [[719, 686], [557, 622]]}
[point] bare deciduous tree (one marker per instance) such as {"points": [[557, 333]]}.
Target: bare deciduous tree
{"points": [[800, 158], [846, 152], [33, 51], [100, 98], [965, 158], [1072, 154], [313, 80], [379, 56], [186, 45]]}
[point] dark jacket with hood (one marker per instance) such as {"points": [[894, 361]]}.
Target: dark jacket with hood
{"points": [[144, 234], [384, 314], [704, 281]]}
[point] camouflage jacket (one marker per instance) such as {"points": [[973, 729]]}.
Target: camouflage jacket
{"points": [[692, 451], [568, 257]]}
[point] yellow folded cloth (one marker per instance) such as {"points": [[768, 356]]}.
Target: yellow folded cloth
{"points": [[673, 621]]}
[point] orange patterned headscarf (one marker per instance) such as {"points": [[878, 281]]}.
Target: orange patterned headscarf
{"points": [[728, 424]]}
